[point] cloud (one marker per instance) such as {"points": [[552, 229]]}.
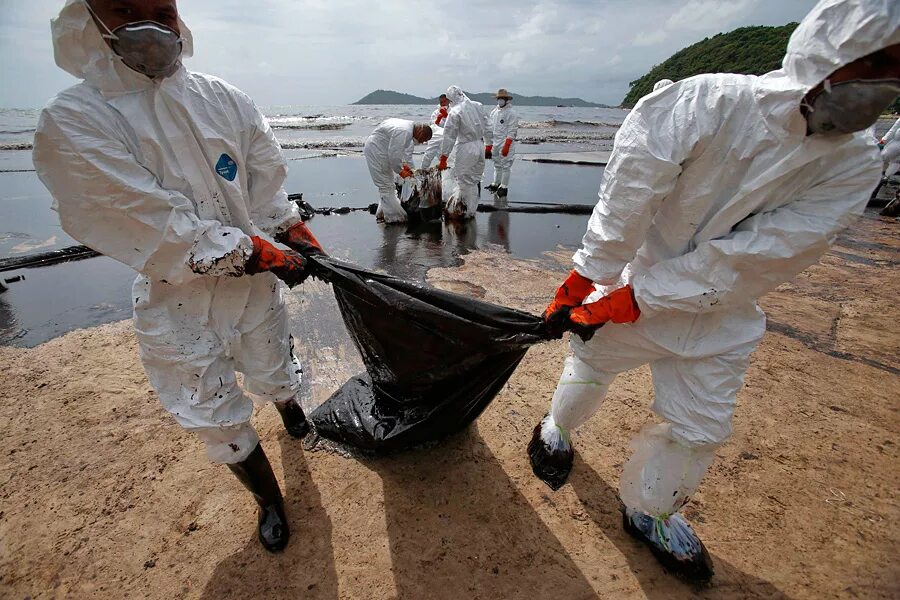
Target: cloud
{"points": [[702, 15], [319, 52]]}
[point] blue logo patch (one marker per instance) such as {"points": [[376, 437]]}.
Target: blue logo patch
{"points": [[226, 167]]}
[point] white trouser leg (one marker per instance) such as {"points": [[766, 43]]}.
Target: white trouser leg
{"points": [[662, 473], [504, 176], [579, 394], [497, 174]]}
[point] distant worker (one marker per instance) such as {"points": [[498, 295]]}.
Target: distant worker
{"points": [[503, 125], [464, 129], [179, 176], [439, 116], [388, 152], [719, 189], [890, 150], [662, 83]]}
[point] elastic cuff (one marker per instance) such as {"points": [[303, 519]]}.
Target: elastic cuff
{"points": [[221, 252]]}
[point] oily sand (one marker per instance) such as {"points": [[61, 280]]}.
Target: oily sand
{"points": [[102, 495]]}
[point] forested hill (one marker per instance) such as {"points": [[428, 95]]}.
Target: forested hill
{"points": [[748, 50], [392, 97]]}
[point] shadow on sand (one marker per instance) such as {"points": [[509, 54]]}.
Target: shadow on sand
{"points": [[305, 569], [459, 528]]}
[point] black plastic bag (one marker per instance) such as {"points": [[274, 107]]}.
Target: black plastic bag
{"points": [[434, 359]]}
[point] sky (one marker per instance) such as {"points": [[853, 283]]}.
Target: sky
{"points": [[333, 52]]}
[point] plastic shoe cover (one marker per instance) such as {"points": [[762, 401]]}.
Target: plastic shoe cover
{"points": [[551, 453], [293, 418], [673, 543]]}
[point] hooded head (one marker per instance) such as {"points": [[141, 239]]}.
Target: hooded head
{"points": [[662, 83], [79, 49], [455, 94], [837, 32]]}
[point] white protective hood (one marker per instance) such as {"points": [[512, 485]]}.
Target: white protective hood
{"points": [[837, 32], [80, 50]]}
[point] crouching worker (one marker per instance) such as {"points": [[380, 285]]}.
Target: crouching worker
{"points": [[719, 189], [388, 152], [178, 175]]}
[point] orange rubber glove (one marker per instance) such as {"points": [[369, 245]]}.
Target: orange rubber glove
{"points": [[286, 265], [619, 306], [405, 172], [488, 151], [442, 114], [298, 237], [570, 294], [442, 163], [506, 146]]}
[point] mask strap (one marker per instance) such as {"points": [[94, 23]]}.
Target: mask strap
{"points": [[109, 35]]}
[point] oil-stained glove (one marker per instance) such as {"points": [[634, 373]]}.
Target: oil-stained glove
{"points": [[488, 152], [442, 114], [619, 306], [298, 237], [405, 172], [286, 265], [570, 294], [506, 146], [442, 163]]}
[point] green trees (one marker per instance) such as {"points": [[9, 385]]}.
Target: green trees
{"points": [[749, 50]]}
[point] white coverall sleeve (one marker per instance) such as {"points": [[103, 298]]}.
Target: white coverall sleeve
{"points": [[512, 125], [762, 252], [399, 149], [270, 208], [643, 169], [111, 203], [489, 129], [451, 130], [431, 150], [892, 132]]}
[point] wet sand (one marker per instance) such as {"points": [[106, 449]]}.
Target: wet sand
{"points": [[104, 496]]}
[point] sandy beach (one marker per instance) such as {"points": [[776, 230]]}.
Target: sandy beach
{"points": [[104, 496]]}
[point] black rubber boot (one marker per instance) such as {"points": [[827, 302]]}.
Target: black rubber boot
{"points": [[293, 418], [492, 188], [256, 474], [551, 465], [502, 192], [674, 544]]}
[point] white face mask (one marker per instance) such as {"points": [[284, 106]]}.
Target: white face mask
{"points": [[850, 106], [148, 47], [501, 102]]}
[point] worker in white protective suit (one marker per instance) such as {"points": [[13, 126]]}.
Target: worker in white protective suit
{"points": [[388, 152], [662, 83], [465, 130], [719, 189], [178, 175], [890, 150], [440, 114], [503, 126]]}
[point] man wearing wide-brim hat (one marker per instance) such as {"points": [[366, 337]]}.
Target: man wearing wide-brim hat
{"points": [[503, 125]]}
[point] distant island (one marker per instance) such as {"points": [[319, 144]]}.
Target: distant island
{"points": [[392, 97], [748, 50]]}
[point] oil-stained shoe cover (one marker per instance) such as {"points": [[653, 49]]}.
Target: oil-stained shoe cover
{"points": [[256, 474], [551, 454], [293, 418], [673, 543]]}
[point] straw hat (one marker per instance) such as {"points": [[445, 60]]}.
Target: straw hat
{"points": [[502, 93]]}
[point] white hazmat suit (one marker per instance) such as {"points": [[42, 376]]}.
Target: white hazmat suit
{"points": [[503, 124], [172, 177], [464, 129], [387, 149], [890, 154], [714, 195]]}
